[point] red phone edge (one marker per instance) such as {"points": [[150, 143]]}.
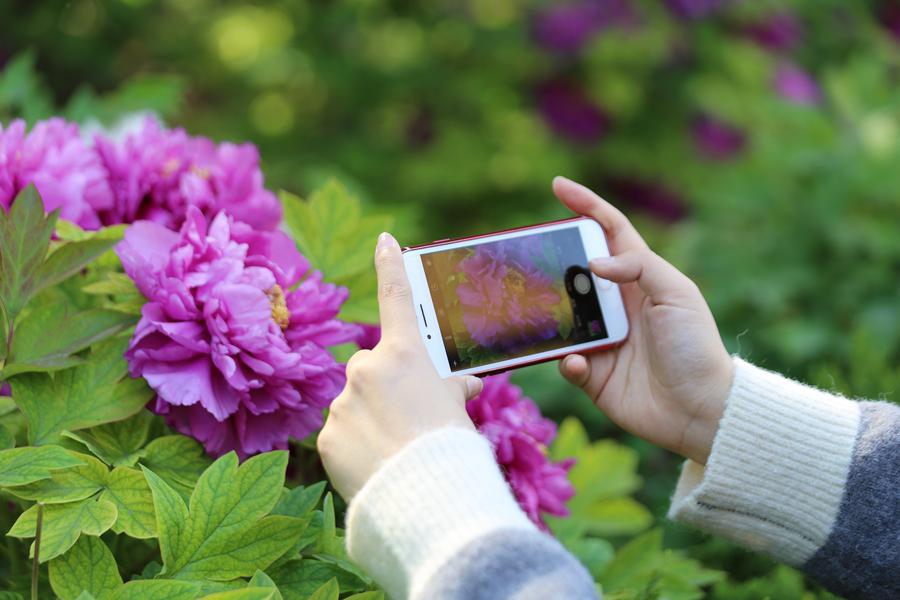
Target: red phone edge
{"points": [[535, 361]]}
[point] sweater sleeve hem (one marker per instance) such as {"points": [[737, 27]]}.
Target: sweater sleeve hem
{"points": [[439, 493], [778, 467]]}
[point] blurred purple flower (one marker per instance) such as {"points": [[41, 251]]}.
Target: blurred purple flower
{"points": [[689, 10], [507, 302], [652, 197], [156, 174], [889, 17], [67, 173], [568, 27], [570, 113], [717, 139], [796, 85], [520, 436], [236, 360], [780, 32], [5, 390], [369, 336]]}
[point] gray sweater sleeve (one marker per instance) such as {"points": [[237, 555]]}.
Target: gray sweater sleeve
{"points": [[861, 556], [512, 565], [438, 521], [811, 478]]}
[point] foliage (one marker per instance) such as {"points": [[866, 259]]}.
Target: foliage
{"points": [[446, 114]]}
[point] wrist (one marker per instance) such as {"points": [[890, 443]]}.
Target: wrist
{"points": [[703, 423]]}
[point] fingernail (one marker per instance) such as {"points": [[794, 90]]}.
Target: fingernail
{"points": [[561, 178], [385, 240], [473, 386]]}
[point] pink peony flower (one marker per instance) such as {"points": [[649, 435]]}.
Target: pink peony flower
{"points": [[779, 32], [67, 173], [369, 336], [796, 85], [237, 358], [568, 27], [156, 174], [570, 113], [715, 139], [520, 436], [507, 302]]}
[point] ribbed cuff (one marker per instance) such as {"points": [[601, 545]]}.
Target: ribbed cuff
{"points": [[778, 467], [440, 492]]}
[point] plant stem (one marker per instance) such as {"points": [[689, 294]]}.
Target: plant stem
{"points": [[37, 552]]}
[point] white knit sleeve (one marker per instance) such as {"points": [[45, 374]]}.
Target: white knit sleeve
{"points": [[778, 467]]}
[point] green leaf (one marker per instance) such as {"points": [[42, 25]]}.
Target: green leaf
{"points": [[21, 466], [328, 591], [96, 392], [72, 232], [120, 443], [328, 542], [24, 240], [300, 501], [243, 594], [69, 258], [127, 489], [34, 350], [299, 578], [570, 440], [261, 580], [88, 566], [224, 534], [113, 284], [375, 595], [178, 460], [338, 240], [7, 438], [158, 589], [63, 524], [634, 561], [69, 485]]}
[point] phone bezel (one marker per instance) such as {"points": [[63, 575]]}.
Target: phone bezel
{"points": [[608, 293]]}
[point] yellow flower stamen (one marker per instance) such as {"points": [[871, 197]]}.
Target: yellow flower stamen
{"points": [[280, 313]]}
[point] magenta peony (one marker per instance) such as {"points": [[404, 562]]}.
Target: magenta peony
{"points": [[716, 139], [796, 85], [568, 27], [520, 436], [507, 302], [66, 172], [237, 358], [156, 174], [570, 113]]}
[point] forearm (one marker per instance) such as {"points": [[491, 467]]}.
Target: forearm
{"points": [[438, 521], [808, 477]]}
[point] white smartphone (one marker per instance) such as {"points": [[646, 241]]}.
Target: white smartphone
{"points": [[499, 301]]}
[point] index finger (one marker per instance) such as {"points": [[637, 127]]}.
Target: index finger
{"points": [[395, 307], [621, 233]]}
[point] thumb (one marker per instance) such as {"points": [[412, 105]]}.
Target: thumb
{"points": [[468, 386]]}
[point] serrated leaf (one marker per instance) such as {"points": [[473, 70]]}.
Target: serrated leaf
{"points": [[94, 393], [127, 489], [178, 460], [34, 350], [63, 524], [330, 590], [89, 567], [21, 466], [24, 240], [117, 444], [299, 578], [633, 561], [300, 501], [225, 533], [68, 259], [158, 589], [68, 485]]}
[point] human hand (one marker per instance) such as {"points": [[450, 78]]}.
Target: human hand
{"points": [[668, 382], [393, 392]]}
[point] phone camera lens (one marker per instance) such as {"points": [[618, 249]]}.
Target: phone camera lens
{"points": [[582, 284]]}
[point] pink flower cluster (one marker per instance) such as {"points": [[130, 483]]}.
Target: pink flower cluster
{"points": [[238, 359], [152, 173], [519, 434]]}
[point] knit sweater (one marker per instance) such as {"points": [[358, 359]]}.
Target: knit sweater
{"points": [[810, 478]]}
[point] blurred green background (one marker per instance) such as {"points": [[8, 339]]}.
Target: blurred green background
{"points": [[755, 144]]}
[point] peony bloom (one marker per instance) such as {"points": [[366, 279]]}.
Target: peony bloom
{"points": [[649, 196], [156, 174], [690, 10], [67, 173], [520, 436], [796, 85], [568, 27], [237, 358], [570, 113], [779, 32], [717, 139], [369, 336], [507, 302]]}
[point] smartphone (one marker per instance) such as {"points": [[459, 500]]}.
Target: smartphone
{"points": [[494, 302]]}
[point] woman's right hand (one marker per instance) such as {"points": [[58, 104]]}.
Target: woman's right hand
{"points": [[668, 382]]}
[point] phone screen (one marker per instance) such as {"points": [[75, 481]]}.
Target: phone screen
{"points": [[503, 299]]}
